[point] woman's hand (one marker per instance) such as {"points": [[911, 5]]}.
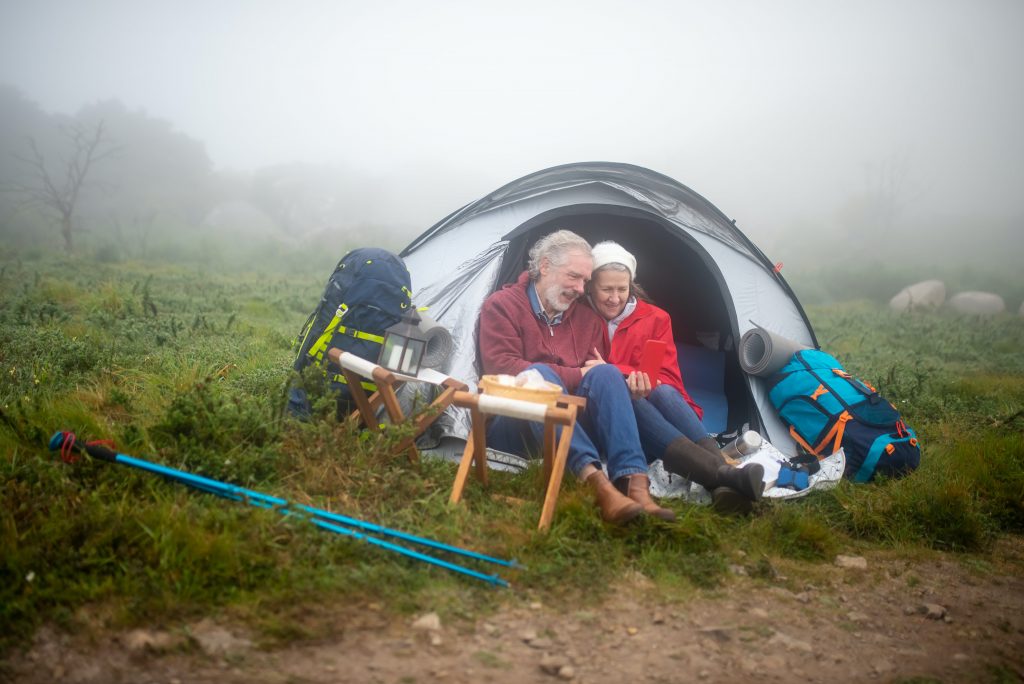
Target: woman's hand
{"points": [[639, 385]]}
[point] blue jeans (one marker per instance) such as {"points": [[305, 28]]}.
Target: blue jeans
{"points": [[605, 427], [663, 417]]}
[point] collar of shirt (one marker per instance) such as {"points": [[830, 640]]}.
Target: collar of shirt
{"points": [[613, 324], [538, 310]]}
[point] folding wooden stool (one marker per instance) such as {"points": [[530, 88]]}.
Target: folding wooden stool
{"points": [[481, 406], [356, 369]]}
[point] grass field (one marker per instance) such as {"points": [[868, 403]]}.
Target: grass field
{"points": [[187, 367]]}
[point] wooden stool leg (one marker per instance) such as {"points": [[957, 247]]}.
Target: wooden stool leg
{"points": [[463, 472], [363, 404], [557, 471], [548, 448], [476, 450], [480, 445]]}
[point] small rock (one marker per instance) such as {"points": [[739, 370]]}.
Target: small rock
{"points": [[909, 610], [704, 674], [788, 642], [528, 634], [738, 570], [146, 640], [947, 619], [932, 611], [760, 613], [658, 619], [632, 631], [852, 562], [490, 629], [536, 605], [430, 622], [566, 672], [435, 639], [882, 665], [553, 664], [855, 616], [217, 641], [803, 597], [961, 657], [540, 643]]}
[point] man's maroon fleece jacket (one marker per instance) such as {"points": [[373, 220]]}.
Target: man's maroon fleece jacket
{"points": [[512, 337]]}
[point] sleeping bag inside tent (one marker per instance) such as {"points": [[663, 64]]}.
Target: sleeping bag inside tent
{"points": [[692, 260]]}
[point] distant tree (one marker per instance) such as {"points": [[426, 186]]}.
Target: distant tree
{"points": [[57, 186], [161, 177]]}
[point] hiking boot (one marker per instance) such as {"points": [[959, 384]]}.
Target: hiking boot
{"points": [[710, 445], [638, 488], [616, 508], [693, 462], [748, 480]]}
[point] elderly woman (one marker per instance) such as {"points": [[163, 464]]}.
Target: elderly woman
{"points": [[668, 420]]}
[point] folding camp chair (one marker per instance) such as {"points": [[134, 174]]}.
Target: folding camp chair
{"points": [[556, 451], [356, 369]]}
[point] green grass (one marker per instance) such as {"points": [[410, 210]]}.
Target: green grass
{"points": [[188, 368]]}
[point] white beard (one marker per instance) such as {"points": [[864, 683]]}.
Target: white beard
{"points": [[553, 300]]}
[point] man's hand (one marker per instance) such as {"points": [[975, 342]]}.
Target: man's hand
{"points": [[599, 361], [639, 385]]}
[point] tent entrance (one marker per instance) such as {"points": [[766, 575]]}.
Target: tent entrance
{"points": [[681, 278]]}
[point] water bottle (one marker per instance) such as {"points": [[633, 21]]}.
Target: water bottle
{"points": [[745, 444]]}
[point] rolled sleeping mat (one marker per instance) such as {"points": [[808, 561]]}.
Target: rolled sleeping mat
{"points": [[763, 353], [439, 342]]}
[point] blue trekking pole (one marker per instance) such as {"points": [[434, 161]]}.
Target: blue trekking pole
{"points": [[65, 442]]}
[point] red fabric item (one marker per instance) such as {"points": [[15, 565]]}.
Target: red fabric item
{"points": [[648, 322], [512, 337]]}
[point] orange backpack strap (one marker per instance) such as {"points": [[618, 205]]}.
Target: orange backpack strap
{"points": [[800, 440], [835, 435]]}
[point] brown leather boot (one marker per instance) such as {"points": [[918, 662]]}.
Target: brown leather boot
{"points": [[638, 488], [615, 508]]}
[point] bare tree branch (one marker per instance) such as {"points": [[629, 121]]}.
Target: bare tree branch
{"points": [[88, 148]]}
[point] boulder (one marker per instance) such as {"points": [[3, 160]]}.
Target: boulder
{"points": [[979, 303], [928, 294]]}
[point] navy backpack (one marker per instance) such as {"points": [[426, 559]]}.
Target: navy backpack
{"points": [[827, 408], [368, 292]]}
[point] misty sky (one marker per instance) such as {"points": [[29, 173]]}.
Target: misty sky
{"points": [[774, 111]]}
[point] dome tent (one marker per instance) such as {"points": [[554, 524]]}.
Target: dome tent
{"points": [[692, 260]]}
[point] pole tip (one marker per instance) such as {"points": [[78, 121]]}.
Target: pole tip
{"points": [[57, 441]]}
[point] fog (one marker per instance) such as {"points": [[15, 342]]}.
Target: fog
{"points": [[782, 114]]}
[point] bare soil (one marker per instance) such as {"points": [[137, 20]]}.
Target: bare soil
{"points": [[937, 618]]}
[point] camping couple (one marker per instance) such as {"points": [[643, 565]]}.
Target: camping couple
{"points": [[578, 317]]}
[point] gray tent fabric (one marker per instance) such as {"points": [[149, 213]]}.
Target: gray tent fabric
{"points": [[696, 264], [763, 353]]}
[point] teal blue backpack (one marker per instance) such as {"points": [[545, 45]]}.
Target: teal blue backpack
{"points": [[827, 408]]}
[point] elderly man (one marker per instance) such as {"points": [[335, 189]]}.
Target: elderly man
{"points": [[537, 322]]}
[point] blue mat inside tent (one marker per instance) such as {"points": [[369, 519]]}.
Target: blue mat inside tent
{"points": [[703, 373]]}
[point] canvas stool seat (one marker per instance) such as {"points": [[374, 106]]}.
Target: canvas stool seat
{"points": [[356, 368], [555, 446]]}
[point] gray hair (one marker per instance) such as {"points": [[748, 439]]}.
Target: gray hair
{"points": [[555, 247]]}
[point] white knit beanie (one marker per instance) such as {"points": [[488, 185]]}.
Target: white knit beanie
{"points": [[609, 252]]}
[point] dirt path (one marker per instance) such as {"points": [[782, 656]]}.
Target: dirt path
{"points": [[896, 619]]}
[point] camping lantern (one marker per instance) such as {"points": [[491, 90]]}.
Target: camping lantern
{"points": [[404, 344]]}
